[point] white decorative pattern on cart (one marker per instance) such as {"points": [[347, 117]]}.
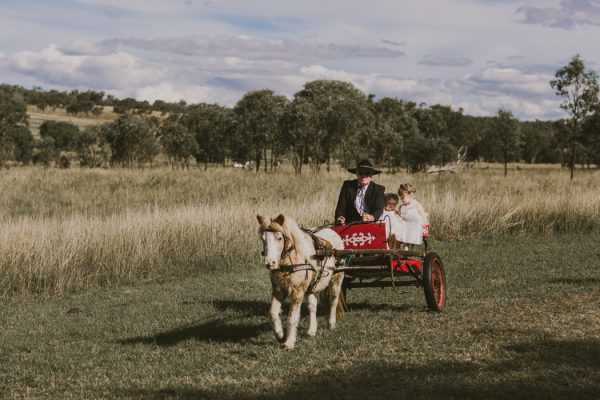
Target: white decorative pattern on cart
{"points": [[358, 239]]}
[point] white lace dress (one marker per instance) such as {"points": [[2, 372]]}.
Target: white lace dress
{"points": [[413, 218], [395, 225]]}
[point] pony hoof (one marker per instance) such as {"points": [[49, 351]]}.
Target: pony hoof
{"points": [[312, 333], [287, 347]]}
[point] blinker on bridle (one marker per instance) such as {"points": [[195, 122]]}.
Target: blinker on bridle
{"points": [[285, 252]]}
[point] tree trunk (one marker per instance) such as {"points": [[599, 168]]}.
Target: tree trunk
{"points": [[257, 159], [265, 157], [572, 161]]}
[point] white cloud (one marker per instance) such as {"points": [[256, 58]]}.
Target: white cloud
{"points": [[105, 71], [500, 80], [173, 92], [224, 80], [215, 51]]}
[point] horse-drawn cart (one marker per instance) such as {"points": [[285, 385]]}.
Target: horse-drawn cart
{"points": [[309, 262], [370, 259]]}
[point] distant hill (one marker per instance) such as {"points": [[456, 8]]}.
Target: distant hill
{"points": [[37, 117]]}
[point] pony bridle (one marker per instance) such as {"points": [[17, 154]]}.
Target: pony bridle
{"points": [[288, 247]]}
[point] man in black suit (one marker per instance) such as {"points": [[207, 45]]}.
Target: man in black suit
{"points": [[360, 199]]}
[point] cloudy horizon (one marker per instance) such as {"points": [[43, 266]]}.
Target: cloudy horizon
{"points": [[478, 55]]}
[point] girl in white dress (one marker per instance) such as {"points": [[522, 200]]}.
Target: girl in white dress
{"points": [[390, 215], [412, 214]]}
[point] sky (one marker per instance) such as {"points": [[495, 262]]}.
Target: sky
{"points": [[475, 55]]}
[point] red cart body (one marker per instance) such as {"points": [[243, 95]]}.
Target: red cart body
{"points": [[368, 236]]}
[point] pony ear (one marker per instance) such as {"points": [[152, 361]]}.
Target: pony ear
{"points": [[260, 218], [280, 219]]}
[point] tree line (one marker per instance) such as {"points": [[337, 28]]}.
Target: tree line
{"points": [[327, 121]]}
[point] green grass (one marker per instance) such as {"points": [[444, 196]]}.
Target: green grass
{"points": [[147, 284], [521, 323]]}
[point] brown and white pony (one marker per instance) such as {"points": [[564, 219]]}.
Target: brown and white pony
{"points": [[289, 253]]}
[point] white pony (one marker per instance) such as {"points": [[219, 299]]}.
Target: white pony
{"points": [[290, 255]]}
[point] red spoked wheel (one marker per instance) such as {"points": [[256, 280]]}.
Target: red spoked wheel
{"points": [[434, 282]]}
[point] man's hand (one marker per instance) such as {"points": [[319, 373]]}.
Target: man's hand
{"points": [[368, 218], [341, 220]]}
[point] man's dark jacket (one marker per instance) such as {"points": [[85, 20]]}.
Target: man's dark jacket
{"points": [[374, 201]]}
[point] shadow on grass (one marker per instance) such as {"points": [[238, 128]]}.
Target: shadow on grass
{"points": [[247, 307], [377, 307], [537, 370], [252, 308], [576, 281], [217, 330]]}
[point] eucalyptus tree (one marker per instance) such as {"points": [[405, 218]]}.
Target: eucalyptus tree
{"points": [[7, 147], [508, 135], [446, 131], [258, 116], [591, 134], [13, 109], [20, 139], [178, 143], [44, 151], [579, 89], [133, 139], [394, 124], [211, 127], [14, 143], [538, 140], [65, 134], [432, 123], [295, 135], [341, 113], [93, 148], [85, 102]]}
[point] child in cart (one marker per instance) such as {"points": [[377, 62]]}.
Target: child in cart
{"points": [[413, 215], [390, 214], [410, 223]]}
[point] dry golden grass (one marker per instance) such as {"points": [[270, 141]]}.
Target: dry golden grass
{"points": [[68, 230]]}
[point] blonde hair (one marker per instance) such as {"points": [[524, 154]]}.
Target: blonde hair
{"points": [[406, 188]]}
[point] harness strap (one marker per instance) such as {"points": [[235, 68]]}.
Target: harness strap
{"points": [[296, 267], [319, 243], [317, 279], [291, 268]]}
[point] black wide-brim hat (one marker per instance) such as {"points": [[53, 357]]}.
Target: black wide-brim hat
{"points": [[364, 166]]}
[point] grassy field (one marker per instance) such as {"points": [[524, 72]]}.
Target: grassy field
{"points": [[148, 284], [522, 323], [63, 231]]}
